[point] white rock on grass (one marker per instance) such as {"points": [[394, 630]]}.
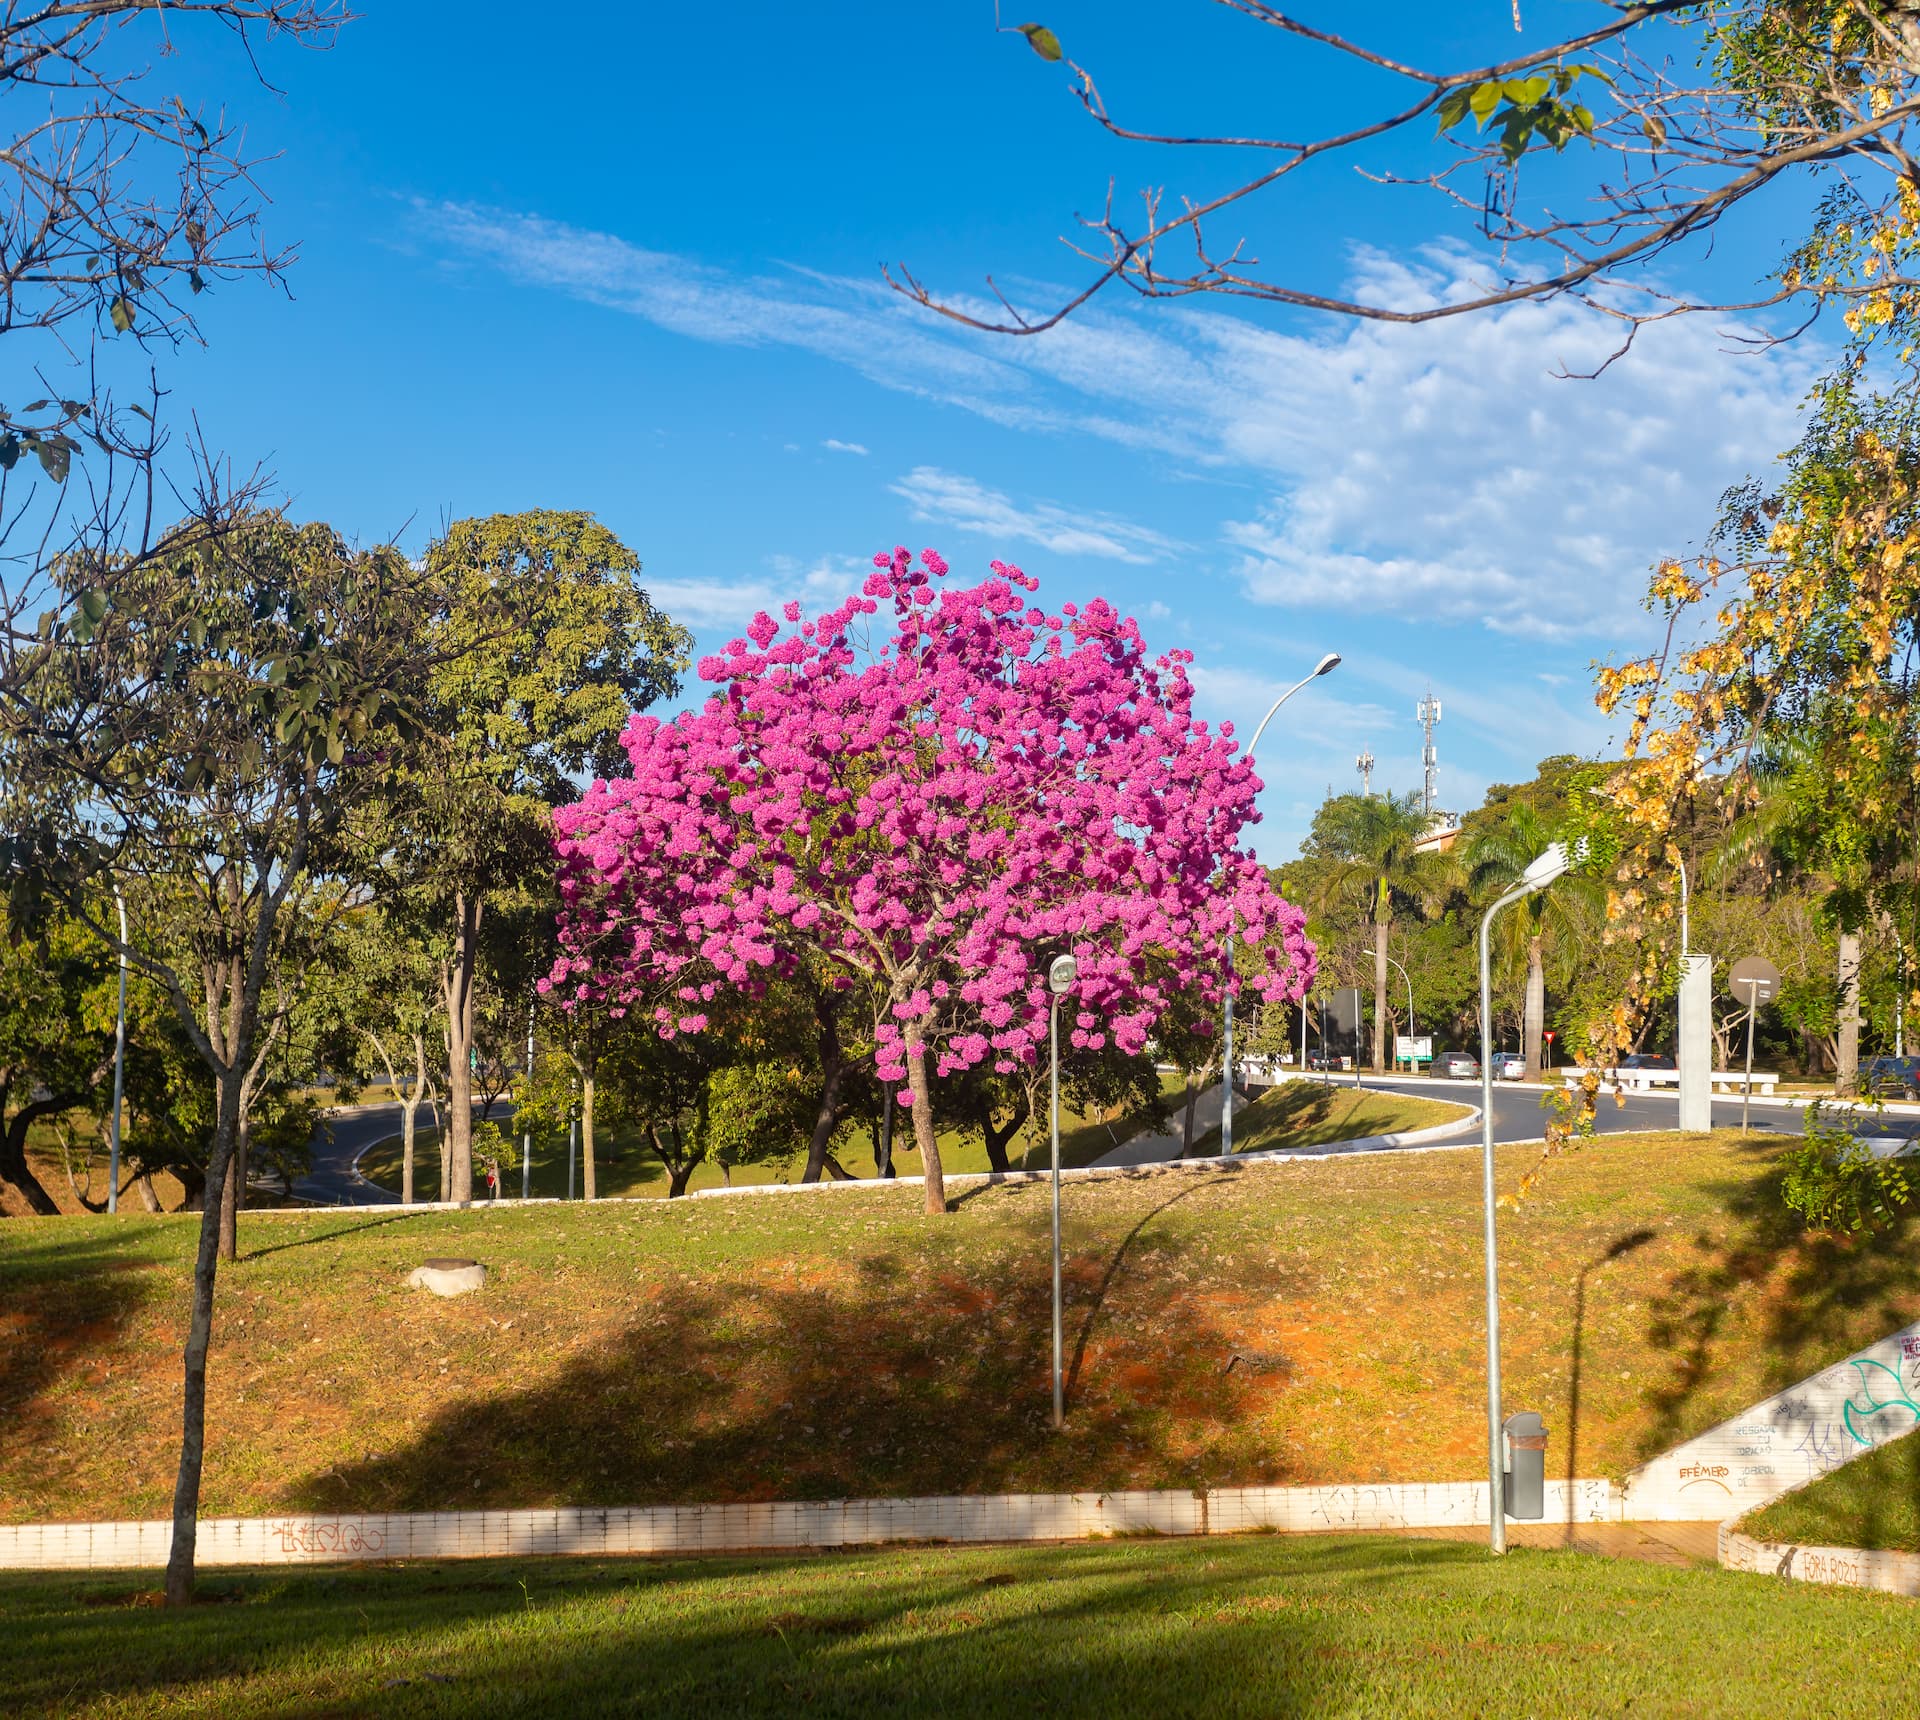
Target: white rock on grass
{"points": [[448, 1277]]}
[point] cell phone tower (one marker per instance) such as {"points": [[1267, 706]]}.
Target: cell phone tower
{"points": [[1429, 714], [1364, 765]]}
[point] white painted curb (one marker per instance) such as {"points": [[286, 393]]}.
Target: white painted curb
{"points": [[689, 1529]]}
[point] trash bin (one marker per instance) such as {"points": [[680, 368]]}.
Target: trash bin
{"points": [[1526, 1484]]}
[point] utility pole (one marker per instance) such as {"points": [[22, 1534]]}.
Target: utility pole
{"points": [[1428, 714], [1364, 765]]}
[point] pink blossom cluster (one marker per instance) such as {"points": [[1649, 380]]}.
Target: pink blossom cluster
{"points": [[933, 789]]}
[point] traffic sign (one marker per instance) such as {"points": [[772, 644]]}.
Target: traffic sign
{"points": [[1754, 980]]}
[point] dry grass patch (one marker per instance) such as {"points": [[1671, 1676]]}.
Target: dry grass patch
{"points": [[829, 1345]]}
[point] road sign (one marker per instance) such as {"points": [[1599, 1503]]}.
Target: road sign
{"points": [[1754, 980], [1413, 1048]]}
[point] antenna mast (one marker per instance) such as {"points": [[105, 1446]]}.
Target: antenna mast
{"points": [[1429, 714], [1364, 765]]}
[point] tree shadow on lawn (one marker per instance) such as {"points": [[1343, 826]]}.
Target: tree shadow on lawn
{"points": [[60, 1303], [878, 1378], [1009, 1630], [1831, 1294]]}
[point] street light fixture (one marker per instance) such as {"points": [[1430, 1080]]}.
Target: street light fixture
{"points": [[1060, 977], [1326, 665], [1544, 870]]}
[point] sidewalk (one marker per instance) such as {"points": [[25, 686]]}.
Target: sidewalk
{"points": [[1682, 1545]]}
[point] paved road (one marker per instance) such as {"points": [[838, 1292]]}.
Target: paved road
{"points": [[1517, 1113], [341, 1138]]}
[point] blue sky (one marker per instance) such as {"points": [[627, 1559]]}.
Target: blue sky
{"points": [[631, 262]]}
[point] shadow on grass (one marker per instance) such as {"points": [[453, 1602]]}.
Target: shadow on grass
{"points": [[1831, 1293], [881, 1377], [332, 1235], [61, 1303], [1002, 1631]]}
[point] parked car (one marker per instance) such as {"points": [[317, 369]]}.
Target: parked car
{"points": [[1891, 1077], [1456, 1066], [1648, 1060], [1509, 1066]]}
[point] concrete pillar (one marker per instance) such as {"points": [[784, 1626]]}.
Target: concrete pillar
{"points": [[1696, 1044]]}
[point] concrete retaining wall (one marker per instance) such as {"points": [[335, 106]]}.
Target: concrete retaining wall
{"points": [[1845, 1567], [685, 1529], [1794, 1437]]}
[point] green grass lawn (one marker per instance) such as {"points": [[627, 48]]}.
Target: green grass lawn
{"points": [[1313, 1114], [843, 1344], [625, 1165], [1874, 1501], [1256, 1626]]}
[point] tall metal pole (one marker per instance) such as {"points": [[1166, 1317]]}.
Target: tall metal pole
{"points": [[526, 1135], [572, 1124], [1226, 1061], [1059, 1385], [119, 1062], [1496, 1467], [1753, 1009]]}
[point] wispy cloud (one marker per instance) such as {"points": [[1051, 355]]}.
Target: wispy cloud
{"points": [[840, 447], [946, 498], [1436, 472]]}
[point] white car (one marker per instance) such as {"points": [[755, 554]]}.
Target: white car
{"points": [[1508, 1066]]}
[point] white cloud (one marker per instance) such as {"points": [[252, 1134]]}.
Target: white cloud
{"points": [[946, 498], [1435, 471], [840, 447]]}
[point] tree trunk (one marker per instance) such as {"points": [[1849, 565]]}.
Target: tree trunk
{"points": [[456, 984], [193, 1407], [883, 1138], [996, 1138], [833, 1069], [923, 1131], [586, 1131], [234, 1195], [1380, 996], [143, 1187], [407, 1109], [1535, 1018], [13, 1161], [1846, 1061]]}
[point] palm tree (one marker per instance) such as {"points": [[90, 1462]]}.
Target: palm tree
{"points": [[1375, 840], [1496, 856]]}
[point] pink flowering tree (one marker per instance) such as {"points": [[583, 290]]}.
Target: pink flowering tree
{"points": [[931, 790]]}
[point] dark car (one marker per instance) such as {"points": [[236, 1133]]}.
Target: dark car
{"points": [[1891, 1077], [1648, 1060], [1456, 1066]]}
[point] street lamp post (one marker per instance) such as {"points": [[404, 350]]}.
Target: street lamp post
{"points": [[1549, 866], [1326, 665], [1060, 977], [119, 1062]]}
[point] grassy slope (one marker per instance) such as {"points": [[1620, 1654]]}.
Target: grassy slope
{"points": [[626, 1166], [1873, 1501], [1253, 1626], [825, 1345], [1310, 1114]]}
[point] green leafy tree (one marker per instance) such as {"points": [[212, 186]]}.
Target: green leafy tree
{"points": [[1379, 863], [1559, 921], [213, 724], [541, 644]]}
